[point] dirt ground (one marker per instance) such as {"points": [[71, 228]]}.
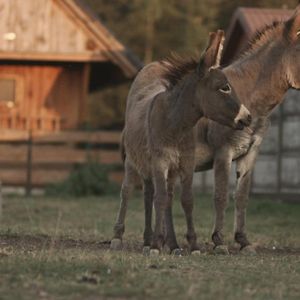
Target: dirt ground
{"points": [[38, 242]]}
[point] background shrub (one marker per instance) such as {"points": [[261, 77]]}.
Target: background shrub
{"points": [[86, 180]]}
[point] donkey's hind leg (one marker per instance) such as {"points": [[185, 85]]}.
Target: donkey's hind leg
{"points": [[148, 202], [159, 172], [127, 186]]}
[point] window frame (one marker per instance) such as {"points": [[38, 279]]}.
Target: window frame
{"points": [[19, 89]]}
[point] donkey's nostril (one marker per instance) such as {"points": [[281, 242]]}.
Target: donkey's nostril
{"points": [[244, 122], [240, 125], [249, 119]]}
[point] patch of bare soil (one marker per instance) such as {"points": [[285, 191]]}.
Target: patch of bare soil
{"points": [[38, 242]]}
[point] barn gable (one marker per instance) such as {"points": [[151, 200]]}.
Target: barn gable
{"points": [[58, 30], [53, 53]]}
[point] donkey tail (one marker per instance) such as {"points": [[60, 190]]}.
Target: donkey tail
{"points": [[122, 147]]}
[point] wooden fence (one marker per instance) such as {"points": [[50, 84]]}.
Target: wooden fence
{"points": [[35, 160], [43, 159]]}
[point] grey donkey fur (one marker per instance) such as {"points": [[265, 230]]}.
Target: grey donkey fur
{"points": [[260, 77], [165, 102]]}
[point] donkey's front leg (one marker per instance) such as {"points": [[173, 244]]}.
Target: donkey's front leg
{"points": [[222, 166], [160, 203], [244, 170], [187, 203], [171, 240]]}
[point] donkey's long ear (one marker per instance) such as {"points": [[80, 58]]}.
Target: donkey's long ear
{"points": [[292, 26], [212, 55]]}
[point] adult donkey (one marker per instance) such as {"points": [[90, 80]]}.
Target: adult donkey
{"points": [[260, 78], [163, 106]]}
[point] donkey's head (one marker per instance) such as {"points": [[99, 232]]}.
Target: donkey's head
{"points": [[217, 98], [291, 45]]}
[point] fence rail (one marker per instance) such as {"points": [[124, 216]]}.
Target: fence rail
{"points": [[35, 160]]}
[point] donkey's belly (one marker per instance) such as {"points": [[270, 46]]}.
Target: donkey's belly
{"points": [[203, 157]]}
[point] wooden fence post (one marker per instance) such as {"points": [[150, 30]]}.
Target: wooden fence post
{"points": [[29, 165], [280, 150], [204, 182], [1, 201]]}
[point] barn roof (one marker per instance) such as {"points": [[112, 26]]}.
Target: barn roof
{"points": [[246, 21], [254, 19], [58, 22]]}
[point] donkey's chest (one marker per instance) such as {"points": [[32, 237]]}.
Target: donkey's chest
{"points": [[241, 150], [240, 143], [171, 156]]}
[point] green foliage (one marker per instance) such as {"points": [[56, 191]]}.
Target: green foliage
{"points": [[107, 107], [86, 180]]}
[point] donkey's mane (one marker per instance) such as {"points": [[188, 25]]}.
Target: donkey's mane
{"points": [[175, 67], [262, 37]]}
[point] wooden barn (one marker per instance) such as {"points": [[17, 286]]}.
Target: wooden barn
{"points": [[52, 53], [277, 170]]}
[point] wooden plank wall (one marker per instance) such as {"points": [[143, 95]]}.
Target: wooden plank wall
{"points": [[39, 26], [55, 156], [47, 94]]}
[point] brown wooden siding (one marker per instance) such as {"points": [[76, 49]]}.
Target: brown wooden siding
{"points": [[50, 97]]}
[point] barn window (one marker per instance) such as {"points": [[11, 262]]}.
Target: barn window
{"points": [[7, 90]]}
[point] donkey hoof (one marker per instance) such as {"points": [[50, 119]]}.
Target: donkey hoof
{"points": [[221, 250], [154, 252], [177, 252], [196, 252], [248, 250], [116, 244], [146, 250]]}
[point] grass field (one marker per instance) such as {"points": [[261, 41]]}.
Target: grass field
{"points": [[58, 249]]}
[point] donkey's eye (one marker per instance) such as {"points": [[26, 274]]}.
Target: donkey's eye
{"points": [[226, 89]]}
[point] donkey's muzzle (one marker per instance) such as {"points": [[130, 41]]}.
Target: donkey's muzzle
{"points": [[244, 123], [243, 118]]}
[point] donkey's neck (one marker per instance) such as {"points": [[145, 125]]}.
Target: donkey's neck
{"points": [[259, 80], [183, 111]]}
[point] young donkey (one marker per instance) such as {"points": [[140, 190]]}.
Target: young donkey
{"points": [[159, 132], [260, 79]]}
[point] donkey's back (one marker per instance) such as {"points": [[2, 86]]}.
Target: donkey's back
{"points": [[147, 84]]}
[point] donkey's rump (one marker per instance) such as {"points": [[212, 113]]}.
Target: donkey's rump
{"points": [[147, 84]]}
